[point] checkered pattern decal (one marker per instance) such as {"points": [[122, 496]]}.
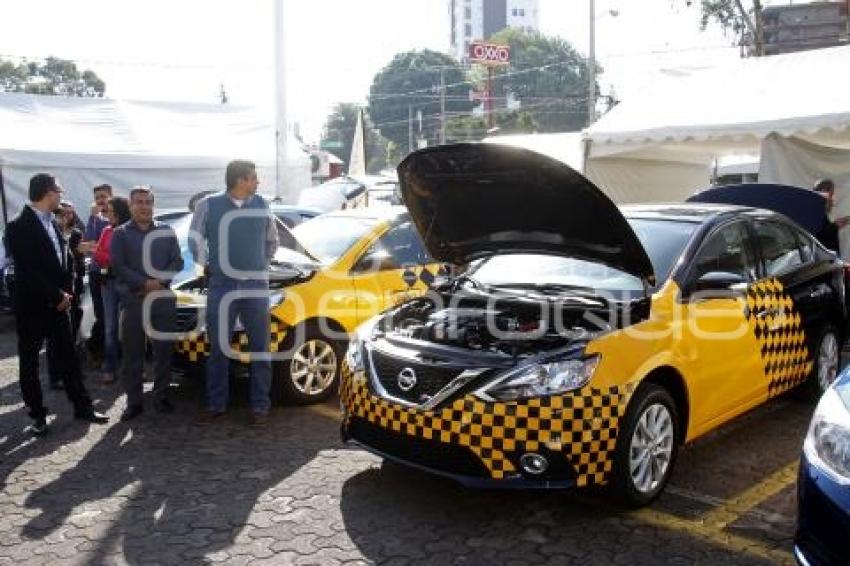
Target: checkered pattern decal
{"points": [[195, 346], [425, 274], [582, 425], [778, 328]]}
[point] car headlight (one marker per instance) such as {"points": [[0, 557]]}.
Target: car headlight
{"points": [[355, 356], [275, 298], [541, 380], [827, 444]]}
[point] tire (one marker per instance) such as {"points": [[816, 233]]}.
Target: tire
{"points": [[292, 375], [637, 483], [827, 362]]}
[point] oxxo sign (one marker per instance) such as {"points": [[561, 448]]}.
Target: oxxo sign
{"points": [[489, 53]]}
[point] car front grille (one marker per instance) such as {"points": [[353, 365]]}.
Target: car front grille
{"points": [[187, 318], [429, 378], [431, 454]]}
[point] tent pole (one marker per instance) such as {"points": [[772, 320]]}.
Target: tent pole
{"points": [[586, 156], [3, 198], [282, 184]]}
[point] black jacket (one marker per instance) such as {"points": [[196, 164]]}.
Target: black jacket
{"points": [[40, 279]]}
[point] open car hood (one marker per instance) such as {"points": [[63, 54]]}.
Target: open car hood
{"points": [[476, 200]]}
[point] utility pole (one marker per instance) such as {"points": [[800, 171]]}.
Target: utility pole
{"points": [[282, 184], [489, 100], [591, 67], [442, 106]]}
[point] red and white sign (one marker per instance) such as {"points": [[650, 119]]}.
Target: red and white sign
{"points": [[489, 53]]}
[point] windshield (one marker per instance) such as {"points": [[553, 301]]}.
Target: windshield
{"points": [[327, 238], [180, 224], [663, 241]]}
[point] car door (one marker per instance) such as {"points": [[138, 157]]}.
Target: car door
{"points": [[795, 292], [394, 268], [717, 345]]}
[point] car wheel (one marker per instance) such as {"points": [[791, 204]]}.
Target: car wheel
{"points": [[646, 446], [827, 359], [311, 371]]}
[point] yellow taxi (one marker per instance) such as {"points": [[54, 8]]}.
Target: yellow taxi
{"points": [[585, 343], [346, 267]]}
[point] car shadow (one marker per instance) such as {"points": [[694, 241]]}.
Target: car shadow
{"points": [[393, 511], [176, 491]]}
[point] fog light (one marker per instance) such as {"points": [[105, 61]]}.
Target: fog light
{"points": [[533, 463]]}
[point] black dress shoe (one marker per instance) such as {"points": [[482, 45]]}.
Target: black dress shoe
{"points": [[132, 412], [92, 416], [39, 427], [163, 406]]}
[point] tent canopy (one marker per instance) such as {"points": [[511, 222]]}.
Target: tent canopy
{"points": [[664, 144], [177, 148]]}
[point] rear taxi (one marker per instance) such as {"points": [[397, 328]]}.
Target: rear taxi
{"points": [[346, 267]]}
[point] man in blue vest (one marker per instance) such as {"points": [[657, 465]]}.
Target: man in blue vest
{"points": [[233, 235]]}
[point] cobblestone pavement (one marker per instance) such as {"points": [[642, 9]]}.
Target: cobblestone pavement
{"points": [[162, 491]]}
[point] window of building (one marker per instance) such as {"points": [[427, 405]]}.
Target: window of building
{"points": [[468, 30]]}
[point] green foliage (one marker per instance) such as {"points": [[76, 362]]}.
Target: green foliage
{"points": [[548, 76], [340, 126], [53, 77], [725, 13], [412, 80], [730, 14], [474, 128]]}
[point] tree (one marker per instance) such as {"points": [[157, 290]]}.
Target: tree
{"points": [[340, 126], [53, 77], [474, 128], [548, 76], [733, 15], [411, 82]]}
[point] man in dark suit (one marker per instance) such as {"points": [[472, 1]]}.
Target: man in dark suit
{"points": [[44, 286]]}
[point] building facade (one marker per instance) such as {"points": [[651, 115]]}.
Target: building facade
{"points": [[799, 27], [479, 19]]}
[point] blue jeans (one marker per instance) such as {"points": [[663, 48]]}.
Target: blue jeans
{"points": [[111, 346], [253, 312]]}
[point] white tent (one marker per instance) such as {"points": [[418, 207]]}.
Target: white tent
{"points": [[563, 146], [177, 148], [664, 144]]}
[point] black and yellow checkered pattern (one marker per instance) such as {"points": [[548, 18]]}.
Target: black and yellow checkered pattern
{"points": [[195, 346], [425, 274], [778, 328], [581, 425]]}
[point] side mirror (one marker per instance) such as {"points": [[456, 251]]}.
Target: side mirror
{"points": [[719, 284]]}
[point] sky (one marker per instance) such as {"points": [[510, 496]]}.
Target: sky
{"points": [[183, 50]]}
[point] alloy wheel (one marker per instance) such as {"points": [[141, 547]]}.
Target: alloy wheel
{"points": [[313, 367], [827, 360], [651, 449]]}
